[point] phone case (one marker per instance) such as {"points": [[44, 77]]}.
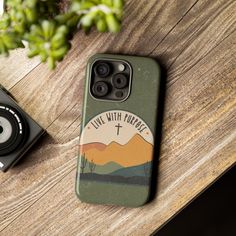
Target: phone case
{"points": [[117, 139]]}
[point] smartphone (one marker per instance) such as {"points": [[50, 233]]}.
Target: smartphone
{"points": [[118, 127]]}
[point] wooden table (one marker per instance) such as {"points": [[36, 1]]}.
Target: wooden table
{"points": [[195, 40]]}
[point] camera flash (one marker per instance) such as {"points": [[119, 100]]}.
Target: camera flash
{"points": [[121, 67]]}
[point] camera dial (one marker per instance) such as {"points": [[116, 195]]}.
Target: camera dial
{"points": [[12, 129]]}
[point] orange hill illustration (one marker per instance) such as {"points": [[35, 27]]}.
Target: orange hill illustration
{"points": [[98, 146], [136, 152]]}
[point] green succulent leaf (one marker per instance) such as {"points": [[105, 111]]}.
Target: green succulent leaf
{"points": [[9, 41], [104, 14]]}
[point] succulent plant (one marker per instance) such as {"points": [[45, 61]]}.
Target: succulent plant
{"points": [[49, 25], [48, 40]]}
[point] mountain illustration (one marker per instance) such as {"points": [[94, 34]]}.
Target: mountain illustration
{"points": [[98, 146], [136, 152], [140, 170], [108, 168]]}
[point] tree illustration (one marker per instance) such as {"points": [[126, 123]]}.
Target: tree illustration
{"points": [[83, 163], [92, 166], [146, 169]]}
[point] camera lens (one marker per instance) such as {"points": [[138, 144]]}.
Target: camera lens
{"points": [[102, 69], [100, 89], [13, 129], [5, 130], [120, 81]]}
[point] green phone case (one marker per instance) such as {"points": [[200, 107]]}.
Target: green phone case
{"points": [[117, 139]]}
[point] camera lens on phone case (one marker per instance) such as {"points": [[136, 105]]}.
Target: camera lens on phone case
{"points": [[100, 89], [120, 81], [102, 69], [12, 129]]}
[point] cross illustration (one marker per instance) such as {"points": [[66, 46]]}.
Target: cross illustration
{"points": [[118, 128]]}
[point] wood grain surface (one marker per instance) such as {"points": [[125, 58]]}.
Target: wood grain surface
{"points": [[195, 40]]}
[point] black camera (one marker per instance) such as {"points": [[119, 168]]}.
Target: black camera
{"points": [[111, 80], [18, 131]]}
